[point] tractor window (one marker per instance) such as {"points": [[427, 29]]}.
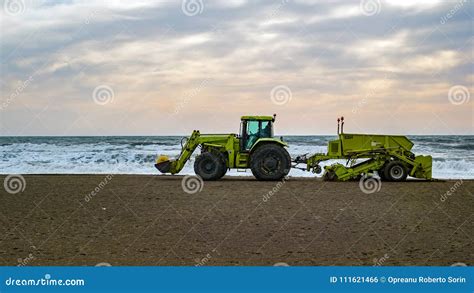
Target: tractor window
{"points": [[252, 133], [252, 130], [266, 129], [252, 127]]}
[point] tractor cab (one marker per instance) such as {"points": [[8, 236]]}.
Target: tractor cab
{"points": [[252, 128]]}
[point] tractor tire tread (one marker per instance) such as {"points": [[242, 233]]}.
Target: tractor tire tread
{"points": [[216, 173], [261, 153]]}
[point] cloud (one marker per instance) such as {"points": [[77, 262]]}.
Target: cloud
{"points": [[331, 55]]}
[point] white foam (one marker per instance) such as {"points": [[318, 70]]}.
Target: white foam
{"points": [[135, 158]]}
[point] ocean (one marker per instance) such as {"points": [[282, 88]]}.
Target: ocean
{"points": [[452, 155]]}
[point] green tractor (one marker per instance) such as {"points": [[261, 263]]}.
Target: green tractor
{"points": [[254, 148]]}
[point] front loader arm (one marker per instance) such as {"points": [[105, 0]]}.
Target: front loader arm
{"points": [[188, 149], [165, 165]]}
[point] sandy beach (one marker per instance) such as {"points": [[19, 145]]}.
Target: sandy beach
{"points": [[122, 220]]}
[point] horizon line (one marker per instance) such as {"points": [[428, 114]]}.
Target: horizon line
{"points": [[180, 135]]}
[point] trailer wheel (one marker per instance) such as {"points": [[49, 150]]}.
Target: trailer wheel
{"points": [[329, 176], [396, 171], [270, 162], [381, 173], [210, 166]]}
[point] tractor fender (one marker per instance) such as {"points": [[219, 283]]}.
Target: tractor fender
{"points": [[262, 141]]}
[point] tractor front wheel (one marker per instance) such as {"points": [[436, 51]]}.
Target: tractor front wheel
{"points": [[270, 162], [210, 166]]}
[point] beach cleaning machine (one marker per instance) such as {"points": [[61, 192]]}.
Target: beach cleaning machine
{"points": [[389, 155], [266, 156]]}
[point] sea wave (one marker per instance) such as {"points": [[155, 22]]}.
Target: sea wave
{"points": [[452, 155]]}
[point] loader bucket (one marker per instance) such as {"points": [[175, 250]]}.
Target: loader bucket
{"points": [[163, 164], [164, 167]]}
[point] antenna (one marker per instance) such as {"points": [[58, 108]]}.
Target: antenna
{"points": [[342, 124], [338, 120]]}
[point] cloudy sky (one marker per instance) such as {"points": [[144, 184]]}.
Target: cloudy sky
{"points": [[168, 67]]}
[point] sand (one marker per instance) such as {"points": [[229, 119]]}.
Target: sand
{"points": [[150, 220]]}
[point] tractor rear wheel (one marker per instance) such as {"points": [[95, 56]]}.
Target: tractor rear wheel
{"points": [[270, 162], [210, 166], [395, 171]]}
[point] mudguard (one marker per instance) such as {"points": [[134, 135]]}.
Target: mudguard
{"points": [[261, 141]]}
